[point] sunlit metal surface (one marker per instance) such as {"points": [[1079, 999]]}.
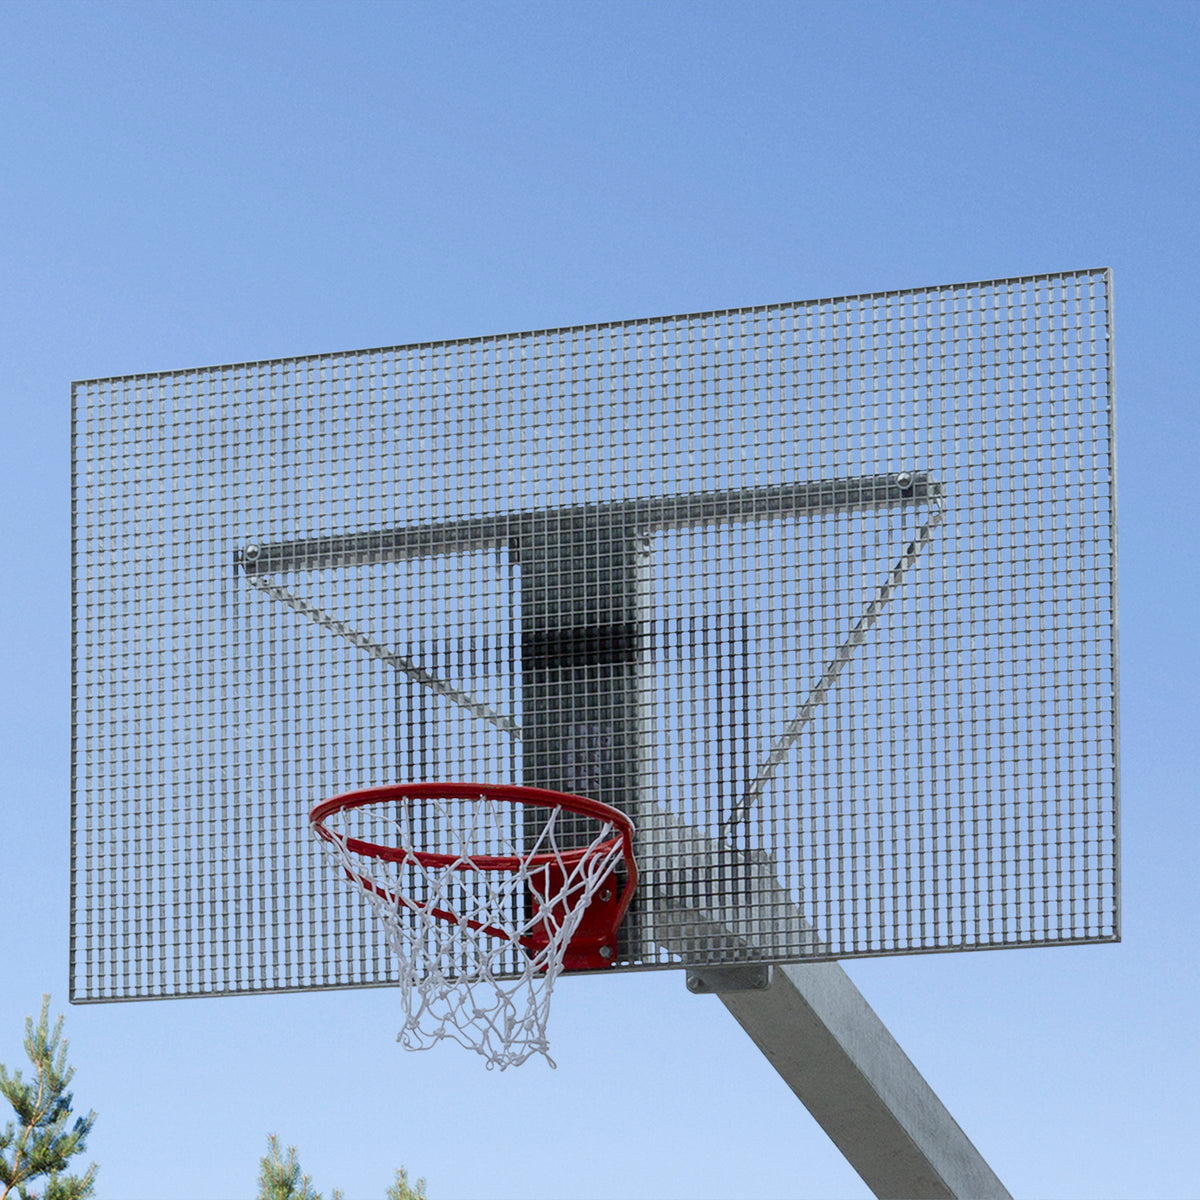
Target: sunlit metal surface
{"points": [[823, 594]]}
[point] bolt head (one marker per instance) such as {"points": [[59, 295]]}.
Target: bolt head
{"points": [[251, 552], [904, 479]]}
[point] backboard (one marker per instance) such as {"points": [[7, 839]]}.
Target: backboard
{"points": [[821, 594]]}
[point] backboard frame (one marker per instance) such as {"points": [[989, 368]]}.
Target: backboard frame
{"points": [[615, 648]]}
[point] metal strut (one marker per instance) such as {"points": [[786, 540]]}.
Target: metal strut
{"points": [[858, 635], [400, 662], [263, 559]]}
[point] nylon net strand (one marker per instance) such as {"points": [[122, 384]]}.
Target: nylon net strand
{"points": [[477, 951]]}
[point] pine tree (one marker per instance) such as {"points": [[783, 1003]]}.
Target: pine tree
{"points": [[400, 1189], [280, 1178], [39, 1144]]}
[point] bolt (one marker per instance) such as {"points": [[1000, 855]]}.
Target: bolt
{"points": [[605, 896], [251, 552], [904, 479], [695, 983], [606, 952]]}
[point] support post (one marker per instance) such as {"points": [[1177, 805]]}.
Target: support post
{"points": [[824, 1039]]}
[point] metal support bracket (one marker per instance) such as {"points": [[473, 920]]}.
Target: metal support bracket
{"points": [[754, 977]]}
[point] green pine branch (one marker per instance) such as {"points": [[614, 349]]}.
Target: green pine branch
{"points": [[280, 1178], [400, 1189], [40, 1143]]}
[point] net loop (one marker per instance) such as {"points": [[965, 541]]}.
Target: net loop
{"points": [[486, 894]]}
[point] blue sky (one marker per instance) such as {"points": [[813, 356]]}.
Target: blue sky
{"points": [[186, 184]]}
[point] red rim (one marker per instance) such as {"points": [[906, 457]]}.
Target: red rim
{"points": [[505, 793], [508, 793]]}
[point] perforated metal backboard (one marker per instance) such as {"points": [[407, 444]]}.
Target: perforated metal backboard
{"points": [[822, 594]]}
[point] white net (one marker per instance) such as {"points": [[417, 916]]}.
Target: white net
{"points": [[481, 900]]}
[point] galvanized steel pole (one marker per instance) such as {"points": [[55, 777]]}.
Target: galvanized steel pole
{"points": [[825, 1040]]}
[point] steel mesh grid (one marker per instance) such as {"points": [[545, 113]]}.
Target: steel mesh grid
{"points": [[822, 593]]}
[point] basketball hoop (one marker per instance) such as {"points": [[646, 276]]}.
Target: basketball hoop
{"points": [[486, 893]]}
